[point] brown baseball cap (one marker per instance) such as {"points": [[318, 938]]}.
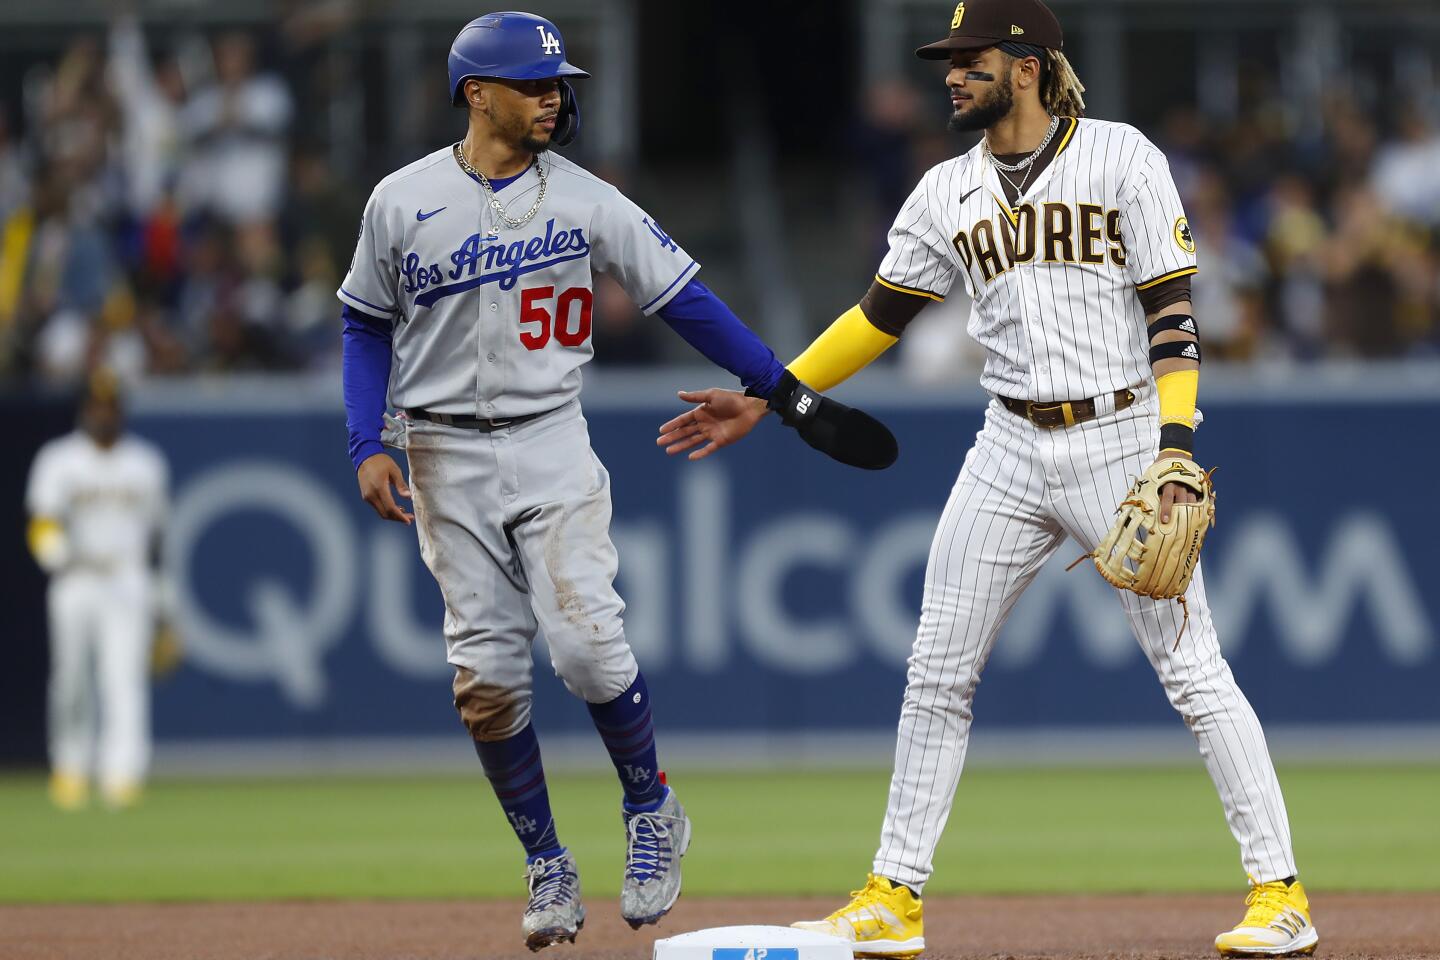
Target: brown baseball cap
{"points": [[989, 23]]}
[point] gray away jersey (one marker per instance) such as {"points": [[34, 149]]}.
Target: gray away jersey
{"points": [[490, 321], [1054, 279]]}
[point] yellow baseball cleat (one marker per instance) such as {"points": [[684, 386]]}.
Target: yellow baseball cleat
{"points": [[68, 791], [1277, 924], [123, 794], [882, 920]]}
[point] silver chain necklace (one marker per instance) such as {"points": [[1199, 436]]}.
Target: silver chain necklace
{"points": [[1021, 165], [1020, 188], [505, 218]]}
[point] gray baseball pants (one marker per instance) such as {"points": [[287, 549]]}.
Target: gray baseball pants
{"points": [[514, 523]]}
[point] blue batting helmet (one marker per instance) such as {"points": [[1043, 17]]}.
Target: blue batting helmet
{"points": [[516, 46]]}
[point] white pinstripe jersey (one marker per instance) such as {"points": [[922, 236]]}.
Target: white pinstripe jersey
{"points": [[110, 501], [1054, 279]]}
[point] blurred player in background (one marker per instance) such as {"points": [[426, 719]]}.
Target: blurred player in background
{"points": [[97, 498]]}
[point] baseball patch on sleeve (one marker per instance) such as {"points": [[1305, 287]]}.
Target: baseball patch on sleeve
{"points": [[1183, 239]]}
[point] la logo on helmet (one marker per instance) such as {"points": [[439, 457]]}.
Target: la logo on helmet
{"points": [[548, 43]]}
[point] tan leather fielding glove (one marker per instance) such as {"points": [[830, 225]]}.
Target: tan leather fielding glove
{"points": [[1152, 558], [166, 651]]}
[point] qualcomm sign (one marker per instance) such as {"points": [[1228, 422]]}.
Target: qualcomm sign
{"points": [[707, 588]]}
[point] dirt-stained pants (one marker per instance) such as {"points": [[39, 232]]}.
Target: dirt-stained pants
{"points": [[514, 523]]}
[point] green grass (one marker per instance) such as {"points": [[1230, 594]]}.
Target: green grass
{"points": [[1012, 830]]}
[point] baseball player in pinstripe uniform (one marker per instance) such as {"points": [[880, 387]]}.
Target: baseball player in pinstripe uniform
{"points": [[468, 307], [1070, 238], [98, 499]]}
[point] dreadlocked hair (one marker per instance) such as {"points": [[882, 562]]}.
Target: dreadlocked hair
{"points": [[1061, 92]]}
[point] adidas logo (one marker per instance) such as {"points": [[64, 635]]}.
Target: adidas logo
{"points": [[1290, 922], [1187, 325], [1015, 31], [1190, 352]]}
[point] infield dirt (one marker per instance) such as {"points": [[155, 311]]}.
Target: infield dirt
{"points": [[1351, 926]]}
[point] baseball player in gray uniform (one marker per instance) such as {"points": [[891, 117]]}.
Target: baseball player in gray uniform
{"points": [[468, 308], [1069, 236]]}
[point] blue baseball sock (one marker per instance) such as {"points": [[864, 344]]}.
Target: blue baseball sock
{"points": [[629, 734], [513, 768]]}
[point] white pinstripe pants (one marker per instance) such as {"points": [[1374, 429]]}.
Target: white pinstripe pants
{"points": [[101, 627], [1021, 491]]}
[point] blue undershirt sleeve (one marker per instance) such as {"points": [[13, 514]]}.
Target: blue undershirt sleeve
{"points": [[708, 325], [365, 376]]}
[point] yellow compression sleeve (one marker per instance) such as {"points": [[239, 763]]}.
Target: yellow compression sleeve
{"points": [[1177, 396], [845, 348]]}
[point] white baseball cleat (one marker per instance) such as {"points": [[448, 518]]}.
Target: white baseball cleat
{"points": [[656, 840], [554, 913]]}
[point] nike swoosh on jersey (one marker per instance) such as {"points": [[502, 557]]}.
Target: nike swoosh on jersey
{"points": [[422, 216], [966, 195]]}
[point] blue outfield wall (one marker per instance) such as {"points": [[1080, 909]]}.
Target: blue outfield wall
{"points": [[770, 590]]}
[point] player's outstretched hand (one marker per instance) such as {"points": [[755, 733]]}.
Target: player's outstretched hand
{"points": [[376, 476], [719, 418], [1173, 493]]}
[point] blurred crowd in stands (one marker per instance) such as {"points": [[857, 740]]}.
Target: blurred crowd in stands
{"points": [[1314, 243], [172, 212], [162, 214]]}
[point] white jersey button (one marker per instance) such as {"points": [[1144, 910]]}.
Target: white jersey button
{"points": [[490, 357], [494, 307]]}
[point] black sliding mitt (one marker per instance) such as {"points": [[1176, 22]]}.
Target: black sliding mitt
{"points": [[850, 436]]}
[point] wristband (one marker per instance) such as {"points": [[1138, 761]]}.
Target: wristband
{"points": [[1175, 321], [1177, 437], [795, 402], [1175, 350]]}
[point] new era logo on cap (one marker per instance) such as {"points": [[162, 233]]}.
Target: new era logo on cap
{"points": [[1015, 31]]}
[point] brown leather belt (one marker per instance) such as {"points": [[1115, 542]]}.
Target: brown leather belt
{"points": [[1061, 413], [471, 423]]}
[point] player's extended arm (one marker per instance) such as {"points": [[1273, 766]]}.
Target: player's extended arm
{"points": [[1175, 361], [365, 375], [852, 342], [723, 417], [707, 324]]}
